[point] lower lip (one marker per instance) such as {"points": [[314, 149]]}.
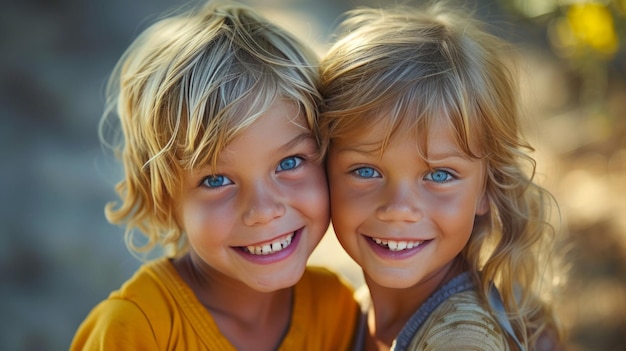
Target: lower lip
{"points": [[275, 257], [395, 255]]}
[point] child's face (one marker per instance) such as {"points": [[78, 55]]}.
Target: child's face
{"points": [[401, 219], [258, 218]]}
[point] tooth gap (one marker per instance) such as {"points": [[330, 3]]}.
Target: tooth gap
{"points": [[396, 245], [271, 248]]}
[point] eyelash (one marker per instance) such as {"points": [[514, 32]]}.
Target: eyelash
{"points": [[358, 172], [449, 176], [299, 160], [205, 181]]}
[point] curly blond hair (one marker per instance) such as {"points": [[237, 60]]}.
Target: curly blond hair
{"points": [[186, 87]]}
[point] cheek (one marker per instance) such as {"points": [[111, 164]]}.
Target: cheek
{"points": [[311, 194], [457, 213], [348, 207], [202, 221]]}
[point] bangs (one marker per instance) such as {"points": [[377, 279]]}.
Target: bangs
{"points": [[221, 121], [220, 111], [412, 107]]}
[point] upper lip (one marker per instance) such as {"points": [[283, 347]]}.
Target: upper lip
{"points": [[385, 241], [374, 237], [274, 239]]}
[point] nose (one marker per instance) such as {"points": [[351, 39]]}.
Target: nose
{"points": [[263, 205], [401, 204]]}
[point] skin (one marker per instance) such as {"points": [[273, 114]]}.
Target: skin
{"points": [[402, 219], [252, 225]]}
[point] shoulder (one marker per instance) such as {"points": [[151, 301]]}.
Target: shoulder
{"points": [[149, 287], [460, 322], [113, 316], [321, 284], [115, 323], [132, 314], [325, 312], [324, 281]]}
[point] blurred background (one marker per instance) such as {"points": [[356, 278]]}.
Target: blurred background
{"points": [[59, 256]]}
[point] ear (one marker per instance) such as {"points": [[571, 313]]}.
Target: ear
{"points": [[483, 204]]}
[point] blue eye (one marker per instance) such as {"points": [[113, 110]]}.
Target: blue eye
{"points": [[439, 176], [289, 163], [216, 181], [367, 172]]}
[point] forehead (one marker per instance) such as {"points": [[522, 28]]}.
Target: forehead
{"points": [[434, 138], [282, 126], [437, 137]]}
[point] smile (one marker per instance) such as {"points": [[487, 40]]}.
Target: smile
{"points": [[393, 245], [270, 248]]}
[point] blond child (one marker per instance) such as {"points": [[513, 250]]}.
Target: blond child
{"points": [[429, 193], [222, 166]]}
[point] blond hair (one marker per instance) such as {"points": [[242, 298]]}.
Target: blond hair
{"points": [[186, 87], [402, 69]]}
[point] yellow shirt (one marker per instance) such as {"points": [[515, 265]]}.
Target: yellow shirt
{"points": [[156, 310]]}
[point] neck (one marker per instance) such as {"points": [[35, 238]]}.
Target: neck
{"points": [[392, 307], [240, 312], [390, 310]]}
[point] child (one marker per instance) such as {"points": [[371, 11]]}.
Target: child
{"points": [[218, 110], [428, 190]]}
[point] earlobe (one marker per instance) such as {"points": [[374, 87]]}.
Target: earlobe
{"points": [[483, 205]]}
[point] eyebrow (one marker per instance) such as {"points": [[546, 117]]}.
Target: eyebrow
{"points": [[433, 157], [446, 155], [361, 149], [285, 148], [297, 140]]}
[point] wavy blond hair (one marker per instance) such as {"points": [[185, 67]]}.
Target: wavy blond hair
{"points": [[186, 87], [402, 68]]}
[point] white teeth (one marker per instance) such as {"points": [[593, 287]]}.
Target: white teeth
{"points": [[393, 245], [266, 249], [272, 247]]}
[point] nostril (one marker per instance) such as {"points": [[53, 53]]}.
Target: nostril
{"points": [[398, 212], [263, 214]]}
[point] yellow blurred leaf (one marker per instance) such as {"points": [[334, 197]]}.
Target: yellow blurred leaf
{"points": [[592, 25]]}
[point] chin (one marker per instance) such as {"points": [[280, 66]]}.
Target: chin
{"points": [[285, 280], [394, 284], [393, 281]]}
